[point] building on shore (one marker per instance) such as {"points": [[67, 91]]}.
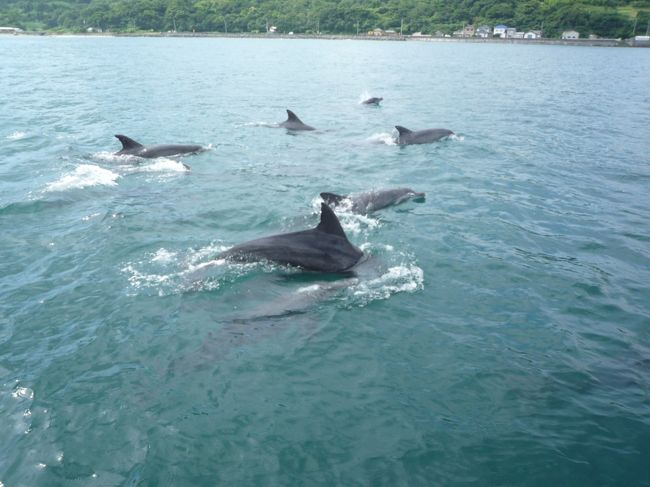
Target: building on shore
{"points": [[533, 34], [10, 30], [484, 31], [570, 34], [500, 30]]}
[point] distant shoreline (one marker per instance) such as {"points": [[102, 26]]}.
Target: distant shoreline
{"points": [[473, 40]]}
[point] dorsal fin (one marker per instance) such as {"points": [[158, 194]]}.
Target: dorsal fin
{"points": [[331, 198], [329, 223], [128, 143], [403, 130], [292, 117]]}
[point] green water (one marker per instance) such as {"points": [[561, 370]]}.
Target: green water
{"points": [[498, 334]]}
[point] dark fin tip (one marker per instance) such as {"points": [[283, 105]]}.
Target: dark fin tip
{"points": [[402, 130], [292, 116], [329, 223], [127, 142]]}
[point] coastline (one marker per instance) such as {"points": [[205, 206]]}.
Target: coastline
{"points": [[474, 40]]}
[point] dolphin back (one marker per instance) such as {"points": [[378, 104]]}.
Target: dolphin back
{"points": [[325, 248]]}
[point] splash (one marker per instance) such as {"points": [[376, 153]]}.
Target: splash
{"points": [[352, 223], [365, 94], [84, 176], [164, 165], [16, 135], [398, 279], [167, 272], [382, 138]]}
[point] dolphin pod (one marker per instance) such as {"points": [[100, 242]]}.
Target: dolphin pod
{"points": [[374, 200], [324, 248], [132, 148]]}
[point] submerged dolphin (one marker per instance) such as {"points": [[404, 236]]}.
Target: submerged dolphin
{"points": [[132, 148], [426, 136], [324, 248], [294, 123], [372, 101], [373, 200]]}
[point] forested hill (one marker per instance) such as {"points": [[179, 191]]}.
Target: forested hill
{"points": [[607, 18]]}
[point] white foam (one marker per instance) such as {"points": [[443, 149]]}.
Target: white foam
{"points": [[23, 393], [123, 159], [84, 176], [163, 256], [382, 138], [17, 135], [365, 94], [405, 278], [456, 137], [163, 164]]}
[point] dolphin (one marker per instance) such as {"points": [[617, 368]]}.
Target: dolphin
{"points": [[372, 200], [294, 123], [426, 136], [372, 101], [132, 148], [324, 248]]}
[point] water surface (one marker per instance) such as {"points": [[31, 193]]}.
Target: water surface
{"points": [[498, 334]]}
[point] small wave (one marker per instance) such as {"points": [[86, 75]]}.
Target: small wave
{"points": [[167, 272], [131, 164], [260, 124], [164, 165], [163, 256], [382, 138], [398, 279], [84, 176], [456, 137], [112, 158], [16, 135]]}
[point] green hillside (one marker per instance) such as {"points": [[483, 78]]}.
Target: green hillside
{"points": [[606, 18]]}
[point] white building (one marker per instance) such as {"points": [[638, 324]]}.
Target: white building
{"points": [[533, 34], [500, 30], [570, 34], [10, 30], [484, 31]]}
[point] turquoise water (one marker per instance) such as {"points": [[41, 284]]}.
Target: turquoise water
{"points": [[498, 334]]}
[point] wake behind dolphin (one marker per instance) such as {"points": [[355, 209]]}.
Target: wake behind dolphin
{"points": [[132, 148], [325, 248]]}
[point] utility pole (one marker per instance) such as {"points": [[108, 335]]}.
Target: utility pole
{"points": [[318, 25], [401, 26], [636, 19], [647, 29], [225, 26], [358, 27]]}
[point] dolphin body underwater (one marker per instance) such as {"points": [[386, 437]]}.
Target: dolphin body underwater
{"points": [[324, 248], [294, 123], [408, 137], [370, 201], [132, 148]]}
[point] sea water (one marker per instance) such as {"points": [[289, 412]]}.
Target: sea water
{"points": [[496, 334]]}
